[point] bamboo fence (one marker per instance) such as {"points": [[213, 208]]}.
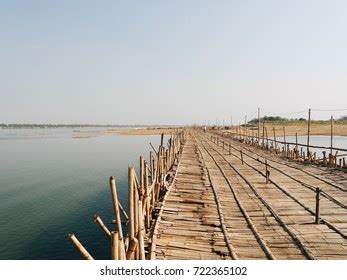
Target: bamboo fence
{"points": [[144, 194]]}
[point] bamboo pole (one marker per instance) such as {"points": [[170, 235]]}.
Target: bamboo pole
{"points": [[246, 127], [136, 215], [117, 215], [142, 167], [274, 130], [331, 135], [263, 140], [141, 232], [131, 202], [317, 219], [162, 140], [132, 249], [308, 131], [99, 221], [296, 143], [157, 153], [115, 245], [83, 251], [124, 213], [285, 140], [267, 139], [258, 125], [147, 201], [241, 156]]}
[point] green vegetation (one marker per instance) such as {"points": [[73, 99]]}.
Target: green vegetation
{"points": [[275, 119]]}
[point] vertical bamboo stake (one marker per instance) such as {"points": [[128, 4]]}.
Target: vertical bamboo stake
{"points": [[141, 171], [263, 133], [246, 127], [331, 135], [136, 216], [167, 161], [162, 140], [252, 128], [131, 203], [241, 156], [147, 200], [296, 143], [115, 245], [267, 172], [229, 149], [131, 253], [85, 254], [141, 232], [267, 139], [275, 139], [258, 125], [117, 215], [317, 205], [284, 140], [308, 131]]}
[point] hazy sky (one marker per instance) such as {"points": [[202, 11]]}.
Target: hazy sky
{"points": [[169, 62]]}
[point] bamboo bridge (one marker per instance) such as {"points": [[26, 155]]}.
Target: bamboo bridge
{"points": [[218, 195]]}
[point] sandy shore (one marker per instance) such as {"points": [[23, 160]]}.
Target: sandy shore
{"points": [[141, 131], [339, 129]]}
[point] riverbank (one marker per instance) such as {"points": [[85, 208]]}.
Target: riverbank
{"points": [[130, 131], [291, 128]]}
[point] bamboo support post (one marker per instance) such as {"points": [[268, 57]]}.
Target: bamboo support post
{"points": [[275, 139], [267, 139], [308, 130], [246, 127], [267, 172], [84, 253], [131, 253], [115, 246], [317, 219], [263, 138], [331, 135], [258, 125], [241, 156], [147, 200], [124, 213], [142, 167], [285, 141], [136, 216], [162, 140], [99, 221], [131, 202], [157, 153], [296, 140], [141, 232], [117, 215]]}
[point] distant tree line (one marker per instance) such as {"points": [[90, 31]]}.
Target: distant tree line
{"points": [[2, 125], [275, 119], [280, 119]]}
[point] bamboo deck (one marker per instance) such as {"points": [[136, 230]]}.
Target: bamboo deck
{"points": [[221, 206], [217, 196]]}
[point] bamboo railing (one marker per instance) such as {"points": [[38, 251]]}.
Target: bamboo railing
{"points": [[289, 150], [144, 195]]}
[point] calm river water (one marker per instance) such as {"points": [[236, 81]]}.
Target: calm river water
{"points": [[52, 184]]}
